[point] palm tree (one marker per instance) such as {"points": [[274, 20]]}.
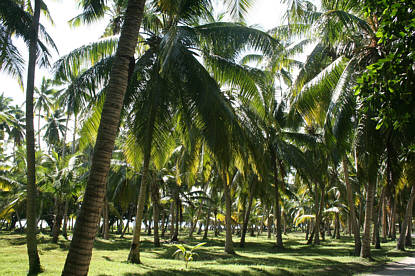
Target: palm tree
{"points": [[15, 21], [17, 125], [43, 102], [79, 255], [344, 44], [34, 262]]}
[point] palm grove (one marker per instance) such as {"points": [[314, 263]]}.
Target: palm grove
{"points": [[181, 118]]}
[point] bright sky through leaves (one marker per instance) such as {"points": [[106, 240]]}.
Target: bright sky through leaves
{"points": [[264, 13]]}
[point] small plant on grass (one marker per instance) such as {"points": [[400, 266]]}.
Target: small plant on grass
{"points": [[187, 254]]}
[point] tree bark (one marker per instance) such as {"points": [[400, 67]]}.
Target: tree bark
{"points": [[337, 222], [370, 194], [194, 222], [393, 220], [57, 221], [155, 197], [384, 221], [65, 219], [80, 250], [127, 225], [176, 210], [228, 215], [350, 201], [408, 240], [105, 216], [134, 255], [407, 219], [205, 235], [269, 224], [246, 217], [31, 239], [277, 207]]}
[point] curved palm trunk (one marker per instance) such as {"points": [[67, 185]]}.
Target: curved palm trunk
{"points": [[34, 262], [350, 201], [155, 197], [407, 219], [134, 255], [246, 219], [80, 251], [128, 223], [370, 195], [228, 216], [194, 223]]}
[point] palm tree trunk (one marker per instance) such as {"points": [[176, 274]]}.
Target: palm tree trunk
{"points": [[194, 223], [319, 217], [370, 194], [277, 208], [269, 224], [337, 223], [350, 201], [228, 215], [377, 219], [393, 220], [19, 220], [246, 217], [80, 250], [126, 225], [65, 219], [155, 197], [407, 219], [39, 217], [57, 220], [34, 262], [215, 225], [172, 213], [205, 235], [384, 221], [408, 240], [134, 255], [105, 216], [175, 236]]}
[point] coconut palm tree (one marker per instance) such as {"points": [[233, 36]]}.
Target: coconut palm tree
{"points": [[16, 21], [79, 255], [344, 39], [43, 103]]}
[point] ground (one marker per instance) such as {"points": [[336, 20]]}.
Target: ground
{"points": [[259, 257]]}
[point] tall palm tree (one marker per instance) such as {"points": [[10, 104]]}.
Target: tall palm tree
{"points": [[79, 255], [34, 262], [16, 21], [345, 40]]}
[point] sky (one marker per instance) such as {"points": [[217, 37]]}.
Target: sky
{"points": [[265, 13]]}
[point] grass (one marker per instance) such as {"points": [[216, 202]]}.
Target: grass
{"points": [[259, 257]]}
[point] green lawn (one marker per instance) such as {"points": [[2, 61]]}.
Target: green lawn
{"points": [[259, 257]]}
